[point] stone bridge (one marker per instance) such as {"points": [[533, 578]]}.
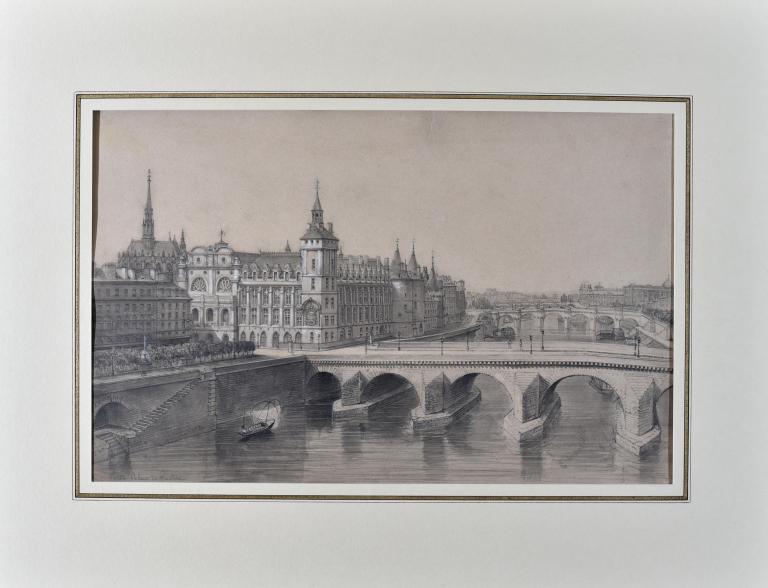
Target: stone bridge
{"points": [[445, 388], [570, 320]]}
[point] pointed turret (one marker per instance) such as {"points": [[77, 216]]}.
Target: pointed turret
{"points": [[183, 242], [413, 266], [148, 225], [396, 261], [433, 285], [287, 247]]}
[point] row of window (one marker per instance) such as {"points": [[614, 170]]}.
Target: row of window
{"points": [[138, 325], [140, 307], [364, 295], [140, 292]]}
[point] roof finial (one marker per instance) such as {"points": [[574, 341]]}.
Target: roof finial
{"points": [[413, 245], [221, 235], [317, 206], [397, 244], [149, 175]]}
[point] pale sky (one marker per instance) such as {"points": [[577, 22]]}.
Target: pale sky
{"points": [[511, 200]]}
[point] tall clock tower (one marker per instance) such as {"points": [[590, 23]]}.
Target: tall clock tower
{"points": [[319, 293]]}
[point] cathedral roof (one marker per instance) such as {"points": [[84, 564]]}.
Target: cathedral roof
{"points": [[156, 248]]}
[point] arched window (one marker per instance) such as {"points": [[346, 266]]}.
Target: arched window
{"points": [[275, 340], [312, 337], [199, 285], [225, 316], [195, 315], [224, 285], [242, 336], [253, 337], [209, 315], [287, 338], [263, 339]]}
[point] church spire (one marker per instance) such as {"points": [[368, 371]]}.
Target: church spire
{"points": [[148, 225], [287, 247], [182, 241], [317, 209]]}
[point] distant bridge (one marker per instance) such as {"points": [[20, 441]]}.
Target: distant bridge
{"points": [[570, 320]]}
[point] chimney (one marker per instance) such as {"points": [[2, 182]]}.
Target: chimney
{"points": [[330, 228]]}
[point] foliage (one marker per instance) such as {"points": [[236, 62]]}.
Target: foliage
{"points": [[119, 360]]}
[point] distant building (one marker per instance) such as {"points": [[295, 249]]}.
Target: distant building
{"points": [[129, 313], [598, 295], [648, 295]]}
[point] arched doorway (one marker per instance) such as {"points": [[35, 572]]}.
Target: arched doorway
{"points": [[253, 337], [242, 336], [263, 339], [275, 340], [287, 338], [297, 339]]}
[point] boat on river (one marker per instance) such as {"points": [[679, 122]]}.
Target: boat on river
{"points": [[261, 419]]}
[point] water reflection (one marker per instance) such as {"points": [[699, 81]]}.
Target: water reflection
{"points": [[309, 446]]}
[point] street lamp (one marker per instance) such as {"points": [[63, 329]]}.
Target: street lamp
{"points": [[531, 338], [398, 340], [638, 345], [542, 339], [442, 339]]}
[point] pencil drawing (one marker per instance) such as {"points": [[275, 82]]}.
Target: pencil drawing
{"points": [[382, 297]]}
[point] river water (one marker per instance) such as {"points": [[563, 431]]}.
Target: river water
{"points": [[308, 446]]}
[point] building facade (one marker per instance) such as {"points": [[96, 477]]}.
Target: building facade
{"points": [[130, 313]]}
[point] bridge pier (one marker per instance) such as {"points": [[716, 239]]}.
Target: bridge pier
{"points": [[636, 430], [534, 403]]}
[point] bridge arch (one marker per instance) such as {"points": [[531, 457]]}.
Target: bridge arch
{"points": [[554, 322], [113, 414], [462, 387], [322, 386], [602, 384], [383, 383], [579, 324]]}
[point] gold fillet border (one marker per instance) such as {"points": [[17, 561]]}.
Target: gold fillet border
{"points": [[687, 100]]}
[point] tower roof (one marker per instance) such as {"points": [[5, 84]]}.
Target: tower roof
{"points": [[396, 261], [413, 266]]}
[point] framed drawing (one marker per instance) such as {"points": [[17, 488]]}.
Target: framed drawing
{"points": [[382, 296]]}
